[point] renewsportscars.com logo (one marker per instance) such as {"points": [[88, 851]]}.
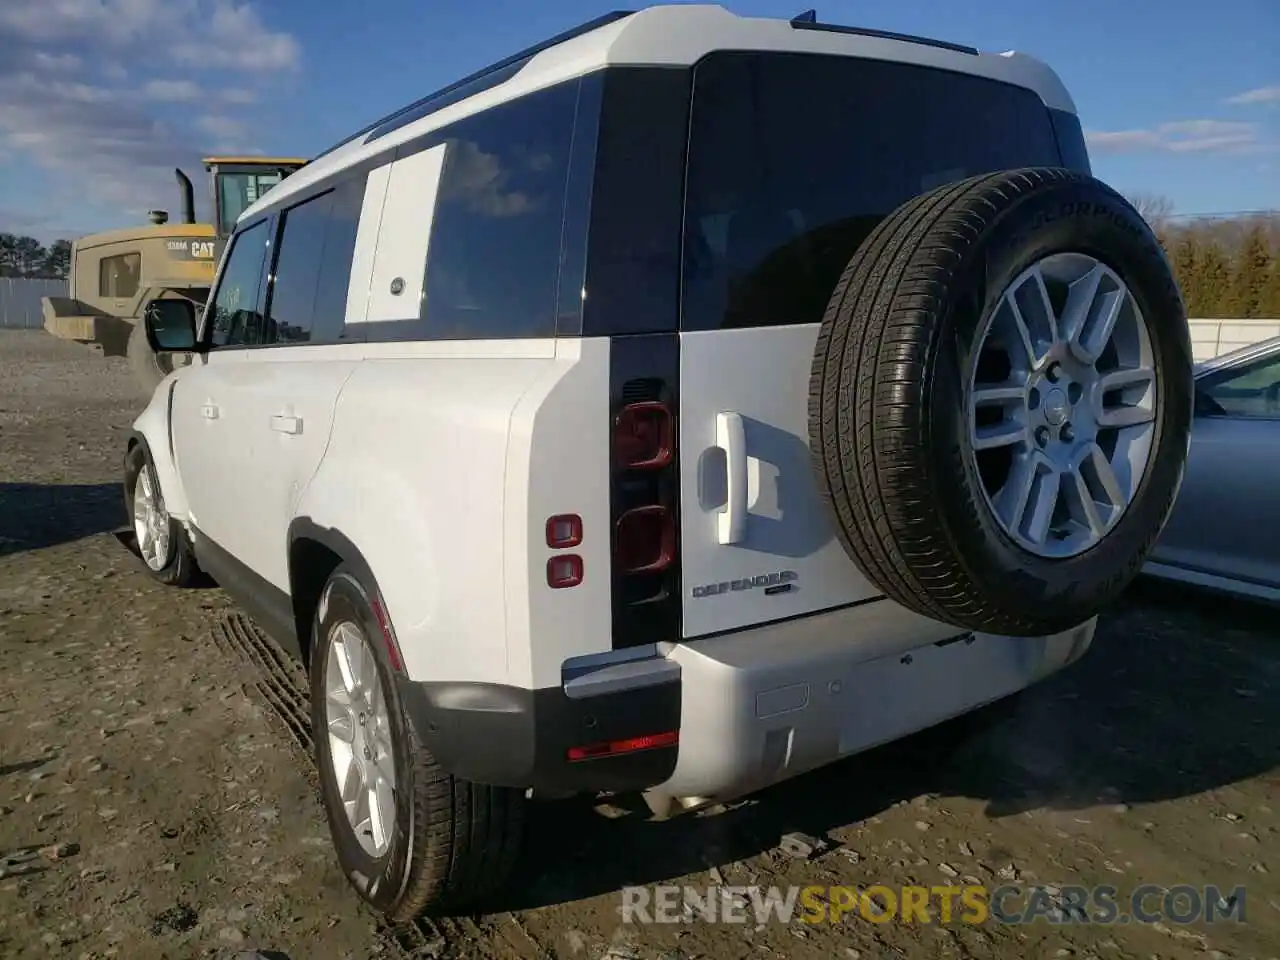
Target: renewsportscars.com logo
{"points": [[969, 905]]}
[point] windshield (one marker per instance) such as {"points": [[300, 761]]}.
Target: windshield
{"points": [[237, 191]]}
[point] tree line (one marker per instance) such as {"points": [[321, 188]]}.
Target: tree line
{"points": [[27, 257], [1227, 267]]}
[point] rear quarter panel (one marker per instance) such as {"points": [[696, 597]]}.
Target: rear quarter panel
{"points": [[445, 459]]}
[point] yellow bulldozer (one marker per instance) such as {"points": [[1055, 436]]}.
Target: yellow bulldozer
{"points": [[115, 276]]}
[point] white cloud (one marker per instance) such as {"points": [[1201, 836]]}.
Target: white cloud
{"points": [[56, 61], [1181, 136], [172, 91], [1258, 95], [238, 95], [236, 39], [67, 106], [204, 33]]}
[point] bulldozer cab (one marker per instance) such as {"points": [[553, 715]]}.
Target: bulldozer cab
{"points": [[117, 275], [239, 181]]}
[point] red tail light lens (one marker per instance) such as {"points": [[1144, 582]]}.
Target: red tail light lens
{"points": [[564, 570], [645, 540], [612, 748], [564, 531], [643, 437]]}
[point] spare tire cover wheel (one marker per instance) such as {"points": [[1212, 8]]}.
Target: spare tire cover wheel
{"points": [[1000, 401]]}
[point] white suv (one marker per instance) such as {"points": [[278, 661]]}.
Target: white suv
{"points": [[678, 406]]}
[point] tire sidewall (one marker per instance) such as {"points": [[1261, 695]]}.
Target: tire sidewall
{"points": [[378, 880], [1079, 216]]}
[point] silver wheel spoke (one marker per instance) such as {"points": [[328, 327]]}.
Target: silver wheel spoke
{"points": [[1088, 506], [999, 435], [351, 785], [1062, 438], [1125, 416], [382, 814], [1089, 317], [344, 728]]}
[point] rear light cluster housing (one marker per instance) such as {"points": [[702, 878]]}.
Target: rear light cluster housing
{"points": [[645, 513]]}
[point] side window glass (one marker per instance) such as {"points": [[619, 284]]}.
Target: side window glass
{"points": [[119, 276], [343, 219], [494, 253], [1251, 392], [234, 314], [299, 251]]}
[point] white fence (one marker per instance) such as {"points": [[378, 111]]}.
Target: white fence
{"points": [[1211, 338], [20, 301]]}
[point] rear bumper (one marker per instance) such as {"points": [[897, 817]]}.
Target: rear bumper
{"points": [[752, 708], [514, 737]]}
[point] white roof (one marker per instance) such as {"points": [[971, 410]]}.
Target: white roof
{"points": [[681, 35]]}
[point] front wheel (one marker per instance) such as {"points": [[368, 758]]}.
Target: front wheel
{"points": [[162, 542], [410, 837]]}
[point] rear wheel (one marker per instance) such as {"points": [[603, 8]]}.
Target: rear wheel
{"points": [[410, 837], [1001, 400]]}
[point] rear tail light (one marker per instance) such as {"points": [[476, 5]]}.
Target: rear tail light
{"points": [[645, 540], [564, 531], [564, 570], [645, 499], [613, 748], [643, 438]]}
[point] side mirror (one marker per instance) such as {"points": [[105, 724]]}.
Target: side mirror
{"points": [[171, 326]]}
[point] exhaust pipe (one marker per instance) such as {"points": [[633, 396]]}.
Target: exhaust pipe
{"points": [[188, 197]]}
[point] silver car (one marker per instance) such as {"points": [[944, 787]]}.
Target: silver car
{"points": [[1225, 529]]}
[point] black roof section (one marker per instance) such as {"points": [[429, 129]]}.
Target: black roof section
{"points": [[485, 79], [809, 21]]}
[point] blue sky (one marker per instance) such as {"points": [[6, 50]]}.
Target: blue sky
{"points": [[99, 99]]}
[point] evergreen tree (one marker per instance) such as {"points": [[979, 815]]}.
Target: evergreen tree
{"points": [[1250, 273], [1185, 260], [1213, 278]]}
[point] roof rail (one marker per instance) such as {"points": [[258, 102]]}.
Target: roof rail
{"points": [[809, 21], [490, 76]]}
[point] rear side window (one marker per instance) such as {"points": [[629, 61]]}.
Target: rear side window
{"points": [[235, 314], [342, 219], [314, 249], [494, 254], [290, 311], [794, 159]]}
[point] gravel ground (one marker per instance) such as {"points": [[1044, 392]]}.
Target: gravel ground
{"points": [[156, 798]]}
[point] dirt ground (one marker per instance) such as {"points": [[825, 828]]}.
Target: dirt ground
{"points": [[156, 798]]}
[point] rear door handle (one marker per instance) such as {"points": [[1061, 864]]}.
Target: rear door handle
{"points": [[209, 410], [285, 424], [731, 522]]}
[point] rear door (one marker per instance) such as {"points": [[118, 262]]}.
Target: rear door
{"points": [[793, 160]]}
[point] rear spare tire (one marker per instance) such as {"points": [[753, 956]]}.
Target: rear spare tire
{"points": [[1000, 401]]}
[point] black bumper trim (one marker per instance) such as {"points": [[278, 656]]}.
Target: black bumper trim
{"points": [[515, 737]]}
